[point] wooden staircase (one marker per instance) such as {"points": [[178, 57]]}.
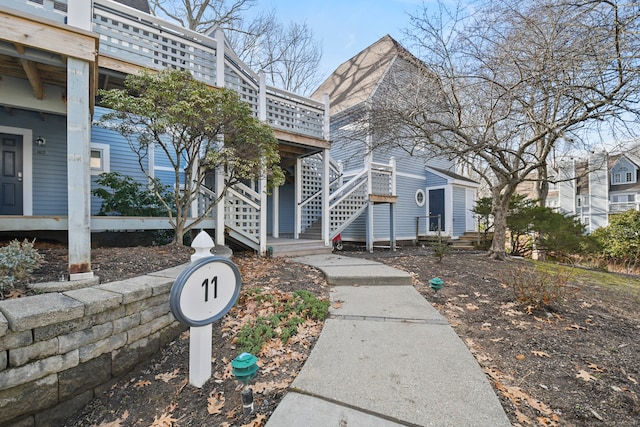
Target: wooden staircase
{"points": [[471, 240], [296, 247]]}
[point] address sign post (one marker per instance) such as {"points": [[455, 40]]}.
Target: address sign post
{"points": [[203, 293]]}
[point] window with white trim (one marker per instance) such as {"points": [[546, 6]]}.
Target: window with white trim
{"points": [[421, 197], [99, 161]]}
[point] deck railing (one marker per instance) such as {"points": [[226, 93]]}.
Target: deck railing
{"points": [[618, 207], [139, 38]]}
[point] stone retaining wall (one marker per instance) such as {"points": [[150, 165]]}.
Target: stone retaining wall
{"points": [[58, 350]]}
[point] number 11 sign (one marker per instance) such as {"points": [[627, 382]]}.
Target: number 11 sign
{"points": [[205, 291]]}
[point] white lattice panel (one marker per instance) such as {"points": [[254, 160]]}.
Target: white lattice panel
{"points": [[242, 212], [344, 210]]}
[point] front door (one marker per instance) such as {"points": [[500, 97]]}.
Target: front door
{"points": [[11, 174], [436, 210]]}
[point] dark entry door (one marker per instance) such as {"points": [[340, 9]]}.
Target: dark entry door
{"points": [[436, 207], [11, 174]]}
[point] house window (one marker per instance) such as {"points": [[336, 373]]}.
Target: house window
{"points": [[420, 197], [628, 177], [99, 161], [616, 178]]}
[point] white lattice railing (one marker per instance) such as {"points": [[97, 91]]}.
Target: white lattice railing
{"points": [[148, 41], [206, 198], [242, 211], [348, 202], [311, 175], [383, 179]]}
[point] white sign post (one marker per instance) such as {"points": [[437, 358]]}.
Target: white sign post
{"points": [[203, 293]]}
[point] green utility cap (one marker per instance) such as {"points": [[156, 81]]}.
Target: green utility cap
{"points": [[436, 283], [244, 367]]}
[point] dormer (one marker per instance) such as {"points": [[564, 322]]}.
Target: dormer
{"points": [[624, 171]]}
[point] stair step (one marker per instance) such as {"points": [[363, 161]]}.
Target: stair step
{"points": [[299, 247]]}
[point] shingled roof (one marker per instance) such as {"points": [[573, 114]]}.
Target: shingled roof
{"points": [[142, 5], [355, 80]]}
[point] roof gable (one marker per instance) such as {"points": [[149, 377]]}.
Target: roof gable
{"points": [[355, 80]]}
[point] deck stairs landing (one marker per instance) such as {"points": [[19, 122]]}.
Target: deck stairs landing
{"points": [[471, 240], [281, 247]]}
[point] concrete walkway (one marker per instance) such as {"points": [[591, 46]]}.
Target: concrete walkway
{"points": [[385, 357]]}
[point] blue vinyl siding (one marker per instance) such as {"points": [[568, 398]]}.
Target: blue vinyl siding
{"points": [[124, 160], [287, 211], [459, 211], [406, 212], [434, 180]]}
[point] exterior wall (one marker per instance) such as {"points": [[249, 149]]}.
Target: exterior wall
{"points": [[59, 350], [286, 223], [121, 158], [434, 180], [459, 199], [348, 144], [49, 161], [567, 187], [406, 212], [598, 191]]}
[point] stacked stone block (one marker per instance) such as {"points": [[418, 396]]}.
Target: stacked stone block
{"points": [[59, 350]]}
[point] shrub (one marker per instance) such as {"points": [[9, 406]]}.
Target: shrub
{"points": [[536, 289], [121, 195], [17, 261], [620, 240]]}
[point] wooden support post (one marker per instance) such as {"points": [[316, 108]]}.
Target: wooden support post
{"points": [[78, 171], [326, 216]]}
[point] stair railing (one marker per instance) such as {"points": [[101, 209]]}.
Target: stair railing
{"points": [[242, 211]]}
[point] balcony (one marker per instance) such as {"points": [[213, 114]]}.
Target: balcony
{"points": [[618, 207], [128, 36]]}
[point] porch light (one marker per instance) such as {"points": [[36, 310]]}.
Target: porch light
{"points": [[40, 141]]}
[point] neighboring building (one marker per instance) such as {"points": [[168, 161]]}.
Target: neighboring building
{"points": [[425, 197], [595, 188]]}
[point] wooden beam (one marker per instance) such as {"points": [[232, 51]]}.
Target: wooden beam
{"points": [[118, 65], [301, 139], [31, 70], [376, 198], [48, 35]]}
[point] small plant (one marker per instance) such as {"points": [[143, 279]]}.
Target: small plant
{"points": [[17, 261], [306, 304], [440, 250], [302, 306], [536, 289]]}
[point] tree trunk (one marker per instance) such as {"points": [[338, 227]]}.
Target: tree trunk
{"points": [[500, 209], [178, 236]]}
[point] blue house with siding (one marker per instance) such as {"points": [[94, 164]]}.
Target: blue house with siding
{"points": [[428, 196]]}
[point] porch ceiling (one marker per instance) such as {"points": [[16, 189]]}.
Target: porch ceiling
{"points": [[37, 51], [293, 146]]}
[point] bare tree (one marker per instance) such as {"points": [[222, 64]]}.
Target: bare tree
{"points": [[202, 15], [288, 54], [505, 82]]}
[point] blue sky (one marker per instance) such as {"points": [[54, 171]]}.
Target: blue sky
{"points": [[344, 27]]}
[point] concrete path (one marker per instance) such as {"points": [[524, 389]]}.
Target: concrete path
{"points": [[385, 357]]}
